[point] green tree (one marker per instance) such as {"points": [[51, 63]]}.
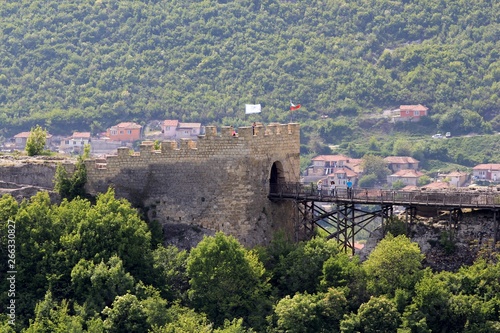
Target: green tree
{"points": [[396, 263], [170, 265], [112, 227], [378, 315], [345, 273], [35, 143], [424, 180], [300, 270], [299, 314], [398, 184], [402, 148], [375, 165], [430, 308], [320, 312], [367, 181], [182, 319], [51, 317], [70, 187], [227, 282], [96, 286], [5, 327], [125, 315]]}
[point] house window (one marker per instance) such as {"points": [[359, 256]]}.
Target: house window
{"points": [[113, 132], [407, 112], [416, 113], [129, 131], [66, 142], [121, 132]]}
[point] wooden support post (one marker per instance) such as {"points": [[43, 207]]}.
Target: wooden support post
{"points": [[495, 227]]}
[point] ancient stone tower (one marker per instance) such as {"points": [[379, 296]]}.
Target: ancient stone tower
{"points": [[219, 182]]}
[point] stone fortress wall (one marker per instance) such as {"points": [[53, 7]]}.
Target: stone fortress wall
{"points": [[219, 182]]}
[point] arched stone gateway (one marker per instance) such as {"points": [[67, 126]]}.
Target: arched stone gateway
{"points": [[218, 183], [277, 176]]}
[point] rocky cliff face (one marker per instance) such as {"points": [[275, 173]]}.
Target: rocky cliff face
{"points": [[23, 176], [449, 248], [36, 171]]}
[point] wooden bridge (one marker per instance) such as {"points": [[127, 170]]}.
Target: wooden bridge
{"points": [[348, 213]]}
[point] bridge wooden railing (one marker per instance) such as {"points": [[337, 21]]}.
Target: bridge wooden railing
{"points": [[449, 198]]}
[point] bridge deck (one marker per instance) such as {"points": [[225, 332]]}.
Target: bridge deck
{"points": [[449, 198]]}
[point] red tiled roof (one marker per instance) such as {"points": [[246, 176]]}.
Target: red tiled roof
{"points": [[410, 188], [81, 135], [457, 174], [172, 123], [436, 186], [418, 107], [127, 125], [189, 125], [22, 135], [330, 158], [488, 166]]}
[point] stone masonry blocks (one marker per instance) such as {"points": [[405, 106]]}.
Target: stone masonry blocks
{"points": [[219, 182]]}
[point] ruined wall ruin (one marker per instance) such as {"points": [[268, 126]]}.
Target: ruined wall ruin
{"points": [[219, 182]]}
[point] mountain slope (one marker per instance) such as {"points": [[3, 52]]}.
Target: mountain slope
{"points": [[71, 64]]}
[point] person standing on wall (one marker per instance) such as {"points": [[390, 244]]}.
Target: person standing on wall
{"points": [[253, 128], [349, 188]]}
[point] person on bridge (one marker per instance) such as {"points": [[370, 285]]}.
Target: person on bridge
{"points": [[349, 188], [320, 185], [332, 188]]}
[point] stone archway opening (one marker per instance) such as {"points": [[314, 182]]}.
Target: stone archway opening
{"points": [[277, 177]]}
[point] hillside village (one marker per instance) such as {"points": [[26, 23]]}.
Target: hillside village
{"points": [[123, 134], [403, 170]]}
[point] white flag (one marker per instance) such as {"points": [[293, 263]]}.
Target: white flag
{"points": [[252, 108]]}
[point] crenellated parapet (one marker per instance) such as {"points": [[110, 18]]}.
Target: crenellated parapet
{"points": [[248, 140], [219, 182]]}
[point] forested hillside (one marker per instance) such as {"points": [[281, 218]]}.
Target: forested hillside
{"points": [[98, 268], [79, 65]]}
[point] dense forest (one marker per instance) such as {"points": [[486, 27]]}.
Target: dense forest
{"points": [[85, 65], [98, 267]]}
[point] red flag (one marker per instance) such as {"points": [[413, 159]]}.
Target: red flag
{"points": [[294, 107]]}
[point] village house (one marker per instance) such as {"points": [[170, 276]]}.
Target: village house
{"points": [[169, 128], [342, 175], [126, 131], [455, 178], [407, 177], [326, 164], [188, 130], [20, 140], [490, 172], [173, 129], [75, 143], [396, 163], [409, 113]]}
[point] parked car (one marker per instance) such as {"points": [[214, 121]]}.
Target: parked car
{"points": [[448, 135], [437, 136]]}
